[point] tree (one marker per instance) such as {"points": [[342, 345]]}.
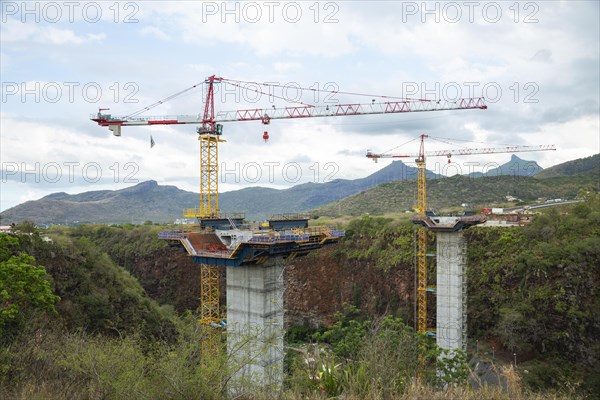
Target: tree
{"points": [[23, 286], [26, 227], [7, 245], [509, 327]]}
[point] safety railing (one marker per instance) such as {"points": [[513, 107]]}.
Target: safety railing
{"points": [[288, 216], [278, 238], [196, 213], [170, 235]]}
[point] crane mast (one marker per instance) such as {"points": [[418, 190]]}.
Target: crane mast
{"points": [[421, 241], [209, 136]]}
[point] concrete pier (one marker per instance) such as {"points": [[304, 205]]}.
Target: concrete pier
{"points": [[255, 325], [451, 285], [451, 321]]}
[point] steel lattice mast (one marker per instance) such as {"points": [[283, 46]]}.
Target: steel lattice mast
{"points": [[421, 241], [209, 137]]}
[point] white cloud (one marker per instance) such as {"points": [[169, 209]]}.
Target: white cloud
{"points": [[18, 32], [154, 32], [286, 66], [200, 25]]}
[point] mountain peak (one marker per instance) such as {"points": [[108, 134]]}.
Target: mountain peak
{"points": [[57, 195], [141, 187], [150, 183]]}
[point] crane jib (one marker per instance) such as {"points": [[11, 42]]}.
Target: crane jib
{"points": [[266, 114]]}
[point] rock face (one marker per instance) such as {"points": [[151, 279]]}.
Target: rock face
{"points": [[169, 276], [515, 167], [316, 286], [319, 285]]}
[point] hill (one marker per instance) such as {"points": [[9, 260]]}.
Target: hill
{"points": [[574, 167], [95, 294], [515, 167], [150, 201], [452, 192], [144, 201]]}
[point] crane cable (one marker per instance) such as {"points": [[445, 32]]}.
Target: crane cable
{"points": [[135, 113], [403, 144], [238, 83], [329, 91], [445, 140], [268, 94]]}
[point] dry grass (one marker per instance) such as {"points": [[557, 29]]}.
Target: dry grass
{"points": [[421, 392]]}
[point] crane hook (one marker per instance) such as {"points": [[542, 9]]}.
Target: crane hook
{"points": [[266, 120]]}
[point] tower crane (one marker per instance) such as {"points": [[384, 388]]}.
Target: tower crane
{"points": [[211, 128], [422, 237], [209, 137]]}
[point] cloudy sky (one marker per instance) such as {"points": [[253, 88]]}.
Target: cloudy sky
{"points": [[536, 63]]}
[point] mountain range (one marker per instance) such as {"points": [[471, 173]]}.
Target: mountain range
{"points": [[158, 203], [563, 181], [150, 201]]}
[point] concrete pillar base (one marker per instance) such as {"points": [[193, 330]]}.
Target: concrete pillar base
{"points": [[450, 291], [255, 326]]}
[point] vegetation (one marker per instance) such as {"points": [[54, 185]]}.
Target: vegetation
{"points": [[125, 244], [95, 294], [444, 193], [570, 168], [24, 287], [362, 358], [167, 276], [357, 358], [534, 290], [55, 364], [537, 290], [76, 324]]}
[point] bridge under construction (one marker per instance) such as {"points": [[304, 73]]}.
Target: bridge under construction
{"points": [[254, 260]]}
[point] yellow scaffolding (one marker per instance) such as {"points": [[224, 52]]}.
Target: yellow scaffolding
{"points": [[421, 264]]}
